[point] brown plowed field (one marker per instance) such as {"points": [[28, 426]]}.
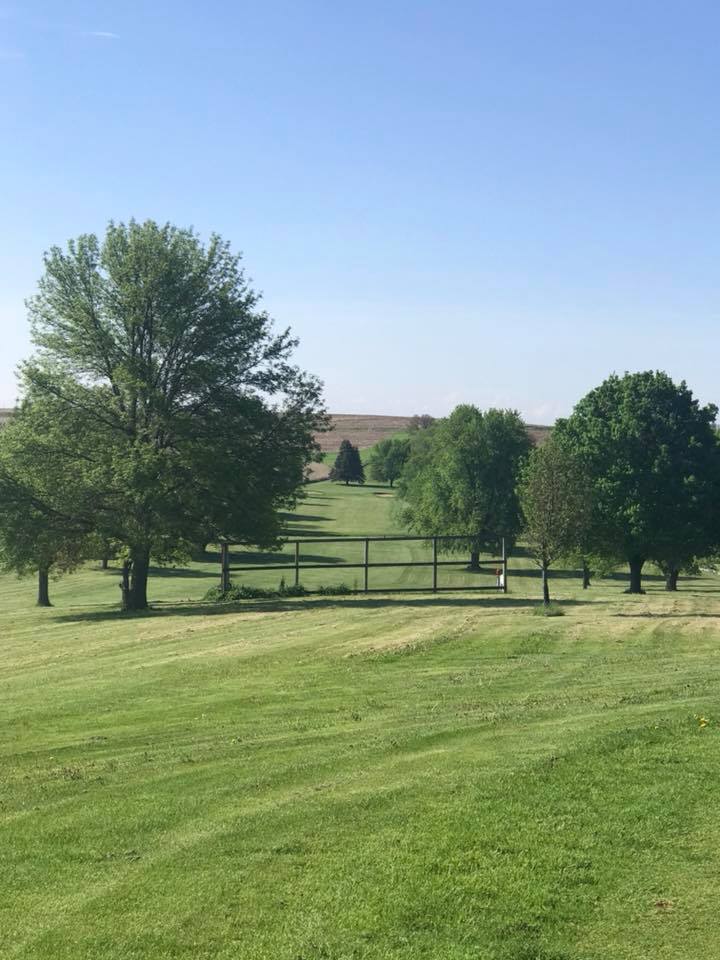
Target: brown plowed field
{"points": [[364, 430], [360, 429]]}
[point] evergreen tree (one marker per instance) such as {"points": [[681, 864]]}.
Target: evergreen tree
{"points": [[348, 466]]}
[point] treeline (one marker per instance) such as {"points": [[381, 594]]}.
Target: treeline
{"points": [[160, 412], [632, 476]]}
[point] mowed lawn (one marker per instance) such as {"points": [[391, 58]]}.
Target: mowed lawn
{"points": [[393, 776]]}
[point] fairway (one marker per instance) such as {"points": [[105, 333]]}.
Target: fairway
{"points": [[397, 776]]}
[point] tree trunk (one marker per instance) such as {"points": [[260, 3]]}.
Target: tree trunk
{"points": [[474, 560], [391, 483], [198, 551], [138, 578], [134, 581], [43, 599], [125, 585], [545, 586], [585, 575], [671, 578], [104, 562], [636, 565]]}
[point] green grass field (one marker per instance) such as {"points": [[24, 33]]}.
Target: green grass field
{"points": [[394, 776]]}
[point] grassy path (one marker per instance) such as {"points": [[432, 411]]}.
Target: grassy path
{"points": [[432, 777]]}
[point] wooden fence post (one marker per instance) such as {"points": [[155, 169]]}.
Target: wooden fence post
{"points": [[366, 558], [504, 566], [224, 568], [434, 560], [297, 563]]}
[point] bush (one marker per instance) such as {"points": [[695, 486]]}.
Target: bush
{"points": [[335, 590], [241, 591], [548, 610]]}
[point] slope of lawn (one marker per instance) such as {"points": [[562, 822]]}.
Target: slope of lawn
{"points": [[374, 777]]}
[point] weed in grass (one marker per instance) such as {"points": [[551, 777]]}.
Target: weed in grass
{"points": [[548, 610]]}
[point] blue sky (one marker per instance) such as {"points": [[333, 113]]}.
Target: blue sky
{"points": [[496, 203]]}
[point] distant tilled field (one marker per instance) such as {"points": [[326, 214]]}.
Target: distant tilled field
{"points": [[364, 430]]}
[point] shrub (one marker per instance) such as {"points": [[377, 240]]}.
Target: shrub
{"points": [[548, 610], [241, 591], [335, 590]]}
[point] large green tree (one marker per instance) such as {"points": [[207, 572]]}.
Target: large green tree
{"points": [[348, 467], [556, 503], [462, 476], [42, 529], [388, 459], [651, 452], [187, 415]]}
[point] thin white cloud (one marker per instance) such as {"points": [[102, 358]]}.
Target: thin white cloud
{"points": [[102, 35]]}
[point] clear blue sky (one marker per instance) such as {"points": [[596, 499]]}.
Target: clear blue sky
{"points": [[493, 202]]}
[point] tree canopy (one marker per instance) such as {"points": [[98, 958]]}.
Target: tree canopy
{"points": [[420, 421], [348, 466], [462, 475], [651, 452], [388, 459], [41, 528], [556, 503], [183, 412]]}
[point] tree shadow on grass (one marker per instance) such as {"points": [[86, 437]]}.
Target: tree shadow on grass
{"points": [[182, 573], [557, 573], [162, 608], [281, 559], [649, 615], [179, 573], [307, 517]]}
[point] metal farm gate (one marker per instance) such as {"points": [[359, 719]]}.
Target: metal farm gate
{"points": [[497, 567]]}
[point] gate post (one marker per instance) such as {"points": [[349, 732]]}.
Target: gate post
{"points": [[297, 563], [504, 566], [224, 567], [366, 555], [434, 561]]}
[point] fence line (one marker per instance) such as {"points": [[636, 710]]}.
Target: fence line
{"points": [[496, 566]]}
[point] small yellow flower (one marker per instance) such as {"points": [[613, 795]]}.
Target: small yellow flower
{"points": [[702, 722]]}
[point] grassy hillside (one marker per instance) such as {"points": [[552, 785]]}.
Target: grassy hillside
{"points": [[385, 777]]}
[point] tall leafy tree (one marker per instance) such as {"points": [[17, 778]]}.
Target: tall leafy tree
{"points": [[420, 421], [187, 414], [462, 477], [39, 532], [651, 452], [348, 466], [556, 503], [388, 459]]}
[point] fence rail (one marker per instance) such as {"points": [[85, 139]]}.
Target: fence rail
{"points": [[497, 567]]}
